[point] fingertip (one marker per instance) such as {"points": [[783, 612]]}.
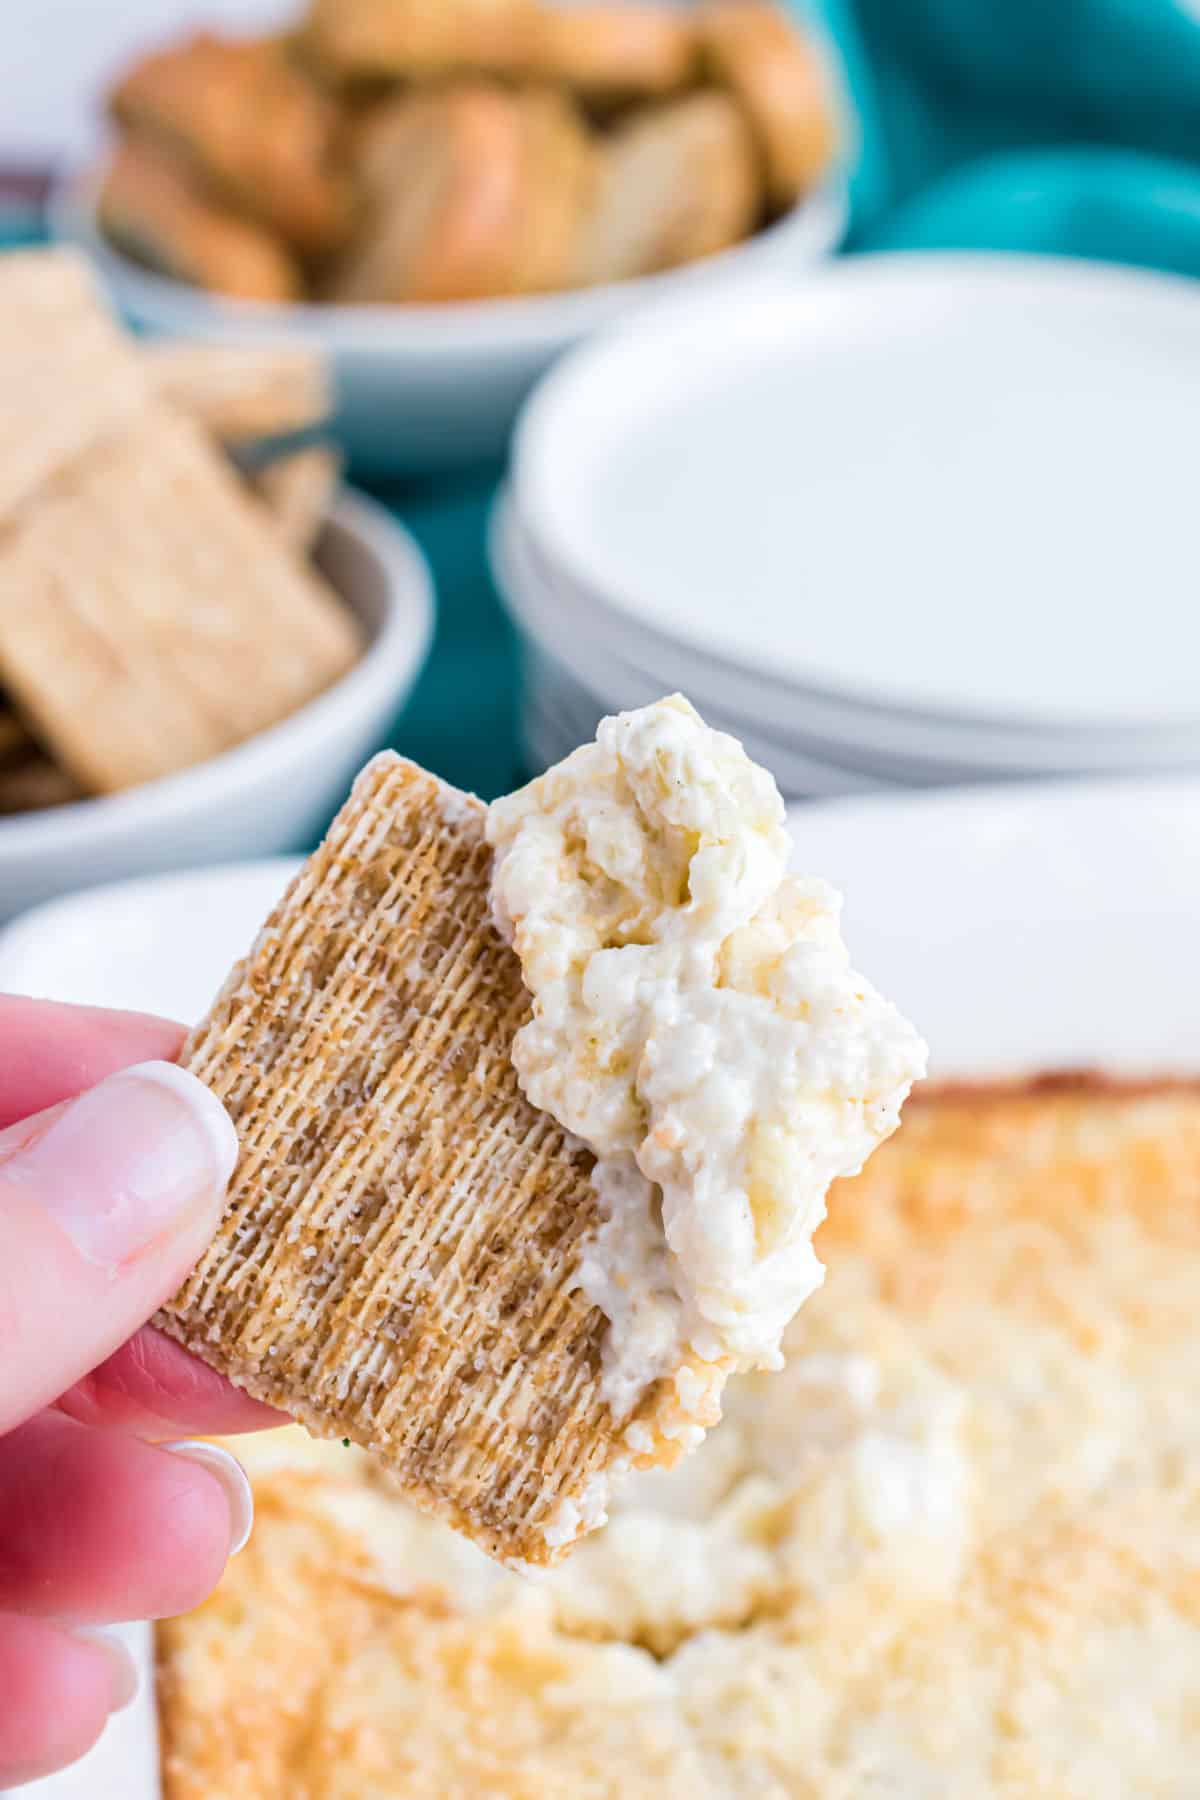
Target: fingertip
{"points": [[196, 1527], [108, 1200], [123, 1672], [59, 1692], [206, 1112], [232, 1479], [96, 1526]]}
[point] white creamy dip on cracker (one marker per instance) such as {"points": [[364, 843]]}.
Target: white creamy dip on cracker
{"points": [[697, 1023]]}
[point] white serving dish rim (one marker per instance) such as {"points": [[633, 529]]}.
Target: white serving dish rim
{"points": [[482, 328], [587, 637], [533, 614]]}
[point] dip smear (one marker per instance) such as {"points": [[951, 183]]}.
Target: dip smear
{"points": [[698, 1025]]}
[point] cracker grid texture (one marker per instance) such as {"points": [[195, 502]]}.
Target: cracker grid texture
{"points": [[396, 1264]]}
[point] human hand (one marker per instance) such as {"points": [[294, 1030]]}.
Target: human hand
{"points": [[106, 1200]]}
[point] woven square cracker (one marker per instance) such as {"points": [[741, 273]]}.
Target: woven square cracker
{"points": [[396, 1264], [149, 615], [68, 375]]}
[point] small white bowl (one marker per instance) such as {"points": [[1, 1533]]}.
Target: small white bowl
{"points": [[274, 792], [433, 387]]}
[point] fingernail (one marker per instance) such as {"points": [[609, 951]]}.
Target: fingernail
{"points": [[125, 1679], [129, 1162], [232, 1477]]}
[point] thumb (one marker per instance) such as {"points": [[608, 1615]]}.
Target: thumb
{"points": [[105, 1203]]}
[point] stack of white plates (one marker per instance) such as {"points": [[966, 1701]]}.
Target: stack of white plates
{"points": [[917, 520]]}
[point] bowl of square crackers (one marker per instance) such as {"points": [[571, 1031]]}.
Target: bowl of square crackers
{"points": [[444, 197], [201, 634]]}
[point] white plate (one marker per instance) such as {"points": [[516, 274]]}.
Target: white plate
{"points": [[275, 791], [427, 387], [162, 944], [958, 486], [1022, 928], [566, 714], [567, 672], [600, 643]]}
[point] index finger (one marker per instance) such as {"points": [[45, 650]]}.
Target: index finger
{"points": [[51, 1052]]}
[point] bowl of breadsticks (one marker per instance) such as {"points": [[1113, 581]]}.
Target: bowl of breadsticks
{"points": [[202, 634], [445, 197]]}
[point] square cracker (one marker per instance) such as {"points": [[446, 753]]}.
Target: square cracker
{"points": [[149, 616], [396, 1264], [68, 375]]}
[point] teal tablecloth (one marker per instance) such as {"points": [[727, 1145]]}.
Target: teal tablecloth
{"points": [[1045, 125], [461, 721], [1070, 126]]}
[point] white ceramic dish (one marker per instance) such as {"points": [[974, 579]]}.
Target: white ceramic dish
{"points": [[549, 732], [275, 791], [944, 502], [428, 387], [1026, 927], [909, 749], [570, 682], [567, 714], [119, 944]]}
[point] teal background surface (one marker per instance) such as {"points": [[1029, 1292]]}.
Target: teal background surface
{"points": [[1070, 126], [461, 720], [1062, 126]]}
